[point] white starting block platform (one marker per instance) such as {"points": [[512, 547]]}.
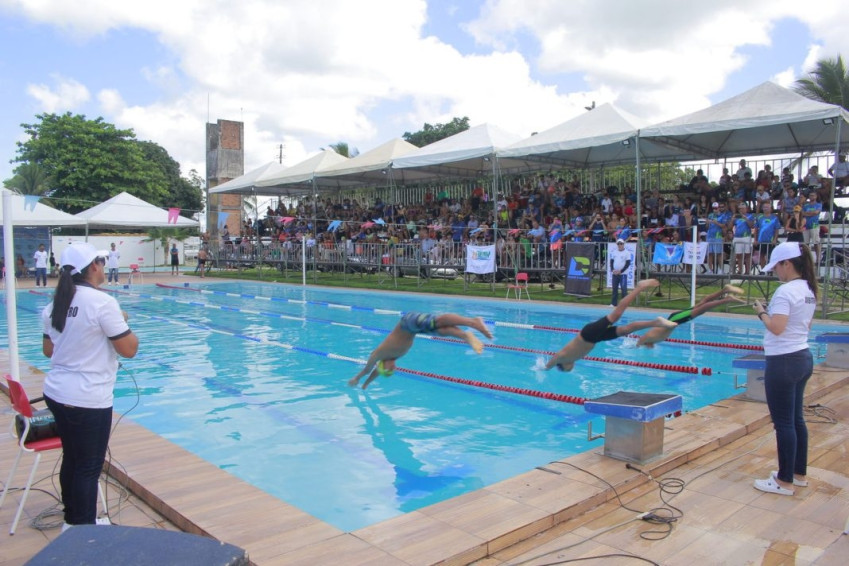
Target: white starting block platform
{"points": [[634, 423], [837, 349], [755, 365]]}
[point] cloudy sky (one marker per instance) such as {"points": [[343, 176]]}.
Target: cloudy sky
{"points": [[309, 73]]}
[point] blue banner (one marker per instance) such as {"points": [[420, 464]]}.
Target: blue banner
{"points": [[668, 254]]}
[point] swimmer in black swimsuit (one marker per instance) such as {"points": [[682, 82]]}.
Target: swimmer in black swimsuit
{"points": [[727, 294], [400, 340], [605, 329]]}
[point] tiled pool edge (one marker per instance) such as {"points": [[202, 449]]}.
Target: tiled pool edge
{"points": [[456, 531], [451, 532]]}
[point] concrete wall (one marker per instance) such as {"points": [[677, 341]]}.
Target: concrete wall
{"points": [[225, 160], [131, 248]]}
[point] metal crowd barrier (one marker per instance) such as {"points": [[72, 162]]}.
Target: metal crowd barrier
{"points": [[446, 260]]}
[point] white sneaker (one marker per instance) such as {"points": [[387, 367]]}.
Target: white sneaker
{"points": [[99, 521]]}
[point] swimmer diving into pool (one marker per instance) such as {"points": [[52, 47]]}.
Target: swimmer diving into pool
{"points": [[400, 340], [605, 329], [723, 296]]}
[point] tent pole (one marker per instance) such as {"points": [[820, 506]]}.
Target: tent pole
{"points": [[638, 183], [830, 220], [496, 171], [11, 295], [695, 240]]}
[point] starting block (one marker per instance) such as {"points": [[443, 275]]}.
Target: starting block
{"points": [[755, 365], [837, 349], [634, 423]]}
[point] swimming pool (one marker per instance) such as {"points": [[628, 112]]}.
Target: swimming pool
{"points": [[252, 377]]}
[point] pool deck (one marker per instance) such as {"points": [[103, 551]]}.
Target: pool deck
{"points": [[539, 517]]}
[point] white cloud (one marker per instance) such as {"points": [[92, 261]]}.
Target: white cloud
{"points": [[785, 78], [65, 95], [308, 74]]}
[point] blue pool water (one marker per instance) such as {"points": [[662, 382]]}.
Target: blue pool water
{"points": [[256, 385]]}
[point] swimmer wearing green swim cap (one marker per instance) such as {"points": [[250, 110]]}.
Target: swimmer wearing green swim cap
{"points": [[383, 371], [381, 362]]}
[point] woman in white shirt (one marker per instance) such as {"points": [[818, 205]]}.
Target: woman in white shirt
{"points": [[789, 363], [83, 329]]}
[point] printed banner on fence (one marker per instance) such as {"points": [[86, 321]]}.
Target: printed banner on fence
{"points": [[579, 268], [632, 249], [695, 254], [668, 254], [480, 259]]}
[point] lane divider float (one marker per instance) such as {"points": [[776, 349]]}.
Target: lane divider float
{"points": [[497, 323]]}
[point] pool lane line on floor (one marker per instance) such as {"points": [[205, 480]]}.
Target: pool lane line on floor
{"points": [[754, 347], [631, 363]]}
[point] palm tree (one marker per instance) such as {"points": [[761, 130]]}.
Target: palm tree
{"points": [[163, 235], [827, 82], [30, 179], [343, 149]]}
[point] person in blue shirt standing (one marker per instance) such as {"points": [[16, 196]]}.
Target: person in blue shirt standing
{"points": [[717, 221], [768, 225], [741, 224]]}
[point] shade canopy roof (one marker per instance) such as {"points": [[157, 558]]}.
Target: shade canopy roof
{"points": [[299, 177], [467, 154], [371, 168], [604, 136], [126, 210], [250, 179], [765, 120], [27, 211]]}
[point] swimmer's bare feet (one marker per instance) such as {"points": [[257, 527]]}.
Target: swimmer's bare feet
{"points": [[661, 322], [648, 283], [480, 326], [740, 300], [734, 289], [474, 342]]}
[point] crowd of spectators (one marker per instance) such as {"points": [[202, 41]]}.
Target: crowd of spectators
{"points": [[741, 215]]}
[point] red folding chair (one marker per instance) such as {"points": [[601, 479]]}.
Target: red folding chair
{"points": [[22, 407], [520, 285], [135, 272]]}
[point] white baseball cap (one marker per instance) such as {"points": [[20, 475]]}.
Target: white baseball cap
{"points": [[783, 251], [79, 255]]}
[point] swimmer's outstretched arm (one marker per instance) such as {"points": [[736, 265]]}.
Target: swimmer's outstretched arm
{"points": [[369, 367], [371, 378]]}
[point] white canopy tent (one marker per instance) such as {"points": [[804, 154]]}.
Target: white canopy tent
{"points": [[28, 211], [469, 154], [765, 120], [371, 168], [23, 210], [604, 136], [299, 178], [249, 179], [126, 210]]}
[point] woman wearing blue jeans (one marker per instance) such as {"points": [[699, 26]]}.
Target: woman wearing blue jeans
{"points": [[789, 363], [84, 332]]}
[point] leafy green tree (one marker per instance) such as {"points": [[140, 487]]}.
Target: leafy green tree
{"points": [[185, 194], [91, 161], [827, 82], [431, 133], [30, 179]]}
